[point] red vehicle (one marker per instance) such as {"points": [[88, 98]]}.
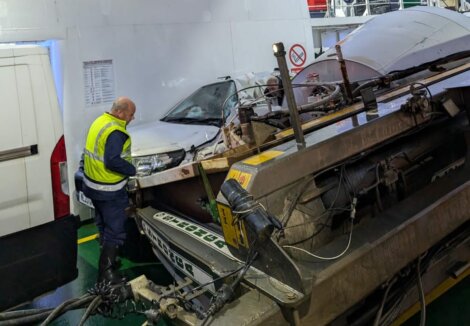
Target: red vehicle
{"points": [[317, 8]]}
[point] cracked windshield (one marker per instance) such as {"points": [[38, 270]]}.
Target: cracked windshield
{"points": [[205, 105]]}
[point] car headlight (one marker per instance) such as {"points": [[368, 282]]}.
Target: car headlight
{"points": [[146, 165]]}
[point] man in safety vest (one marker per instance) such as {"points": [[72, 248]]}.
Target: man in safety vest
{"points": [[107, 166]]}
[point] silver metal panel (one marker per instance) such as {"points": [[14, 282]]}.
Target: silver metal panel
{"points": [[252, 308], [383, 246]]}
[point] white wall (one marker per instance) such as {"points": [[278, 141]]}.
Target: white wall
{"points": [[161, 49]]}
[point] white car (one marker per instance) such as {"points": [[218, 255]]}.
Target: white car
{"points": [[193, 124]]}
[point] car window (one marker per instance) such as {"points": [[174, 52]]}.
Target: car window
{"points": [[205, 105]]}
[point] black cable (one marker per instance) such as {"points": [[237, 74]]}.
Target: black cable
{"points": [[184, 301], [426, 87], [73, 304], [91, 308], [399, 74], [80, 303], [25, 320], [294, 201], [217, 279], [350, 188], [57, 311], [47, 315], [370, 83], [377, 190], [329, 211], [22, 313], [226, 292]]}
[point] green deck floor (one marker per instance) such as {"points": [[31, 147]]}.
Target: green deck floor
{"points": [[88, 254], [452, 308]]}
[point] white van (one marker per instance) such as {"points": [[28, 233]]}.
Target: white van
{"points": [[38, 235]]}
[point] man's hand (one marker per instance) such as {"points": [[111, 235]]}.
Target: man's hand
{"points": [[132, 184]]}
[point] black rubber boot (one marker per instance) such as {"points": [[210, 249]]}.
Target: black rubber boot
{"points": [[117, 262], [107, 270]]}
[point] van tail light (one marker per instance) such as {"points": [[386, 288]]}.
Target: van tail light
{"points": [[60, 180]]}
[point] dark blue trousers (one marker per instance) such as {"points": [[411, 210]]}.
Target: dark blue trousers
{"points": [[111, 218]]}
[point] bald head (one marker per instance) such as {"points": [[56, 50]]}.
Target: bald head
{"points": [[272, 84], [123, 108], [272, 80]]}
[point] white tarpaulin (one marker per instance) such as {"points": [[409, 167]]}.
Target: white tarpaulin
{"points": [[395, 41]]}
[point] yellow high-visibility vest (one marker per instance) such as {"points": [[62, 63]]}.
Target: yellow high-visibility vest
{"points": [[97, 176]]}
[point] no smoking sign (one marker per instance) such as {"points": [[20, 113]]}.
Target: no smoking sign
{"points": [[297, 55]]}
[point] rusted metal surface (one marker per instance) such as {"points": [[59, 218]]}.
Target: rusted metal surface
{"points": [[252, 308], [185, 195], [344, 72]]}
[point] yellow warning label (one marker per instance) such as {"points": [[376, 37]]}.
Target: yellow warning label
{"points": [[243, 178], [263, 157], [234, 232]]}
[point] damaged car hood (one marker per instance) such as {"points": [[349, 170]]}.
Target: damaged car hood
{"points": [[162, 137]]}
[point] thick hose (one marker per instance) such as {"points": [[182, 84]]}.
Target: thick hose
{"points": [[34, 318], [91, 308], [311, 106], [22, 313], [57, 311]]}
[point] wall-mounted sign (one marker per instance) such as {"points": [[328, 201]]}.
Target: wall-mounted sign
{"points": [[297, 55], [98, 77]]}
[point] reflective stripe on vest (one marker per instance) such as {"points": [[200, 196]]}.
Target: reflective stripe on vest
{"points": [[103, 187], [98, 176]]}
